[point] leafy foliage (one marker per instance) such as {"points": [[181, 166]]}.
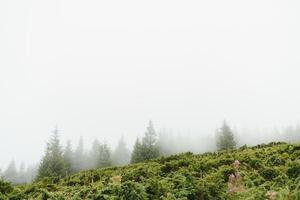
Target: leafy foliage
{"points": [[5, 187]]}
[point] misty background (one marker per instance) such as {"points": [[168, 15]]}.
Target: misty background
{"points": [[103, 69]]}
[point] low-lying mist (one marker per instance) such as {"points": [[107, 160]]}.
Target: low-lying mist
{"points": [[80, 155]]}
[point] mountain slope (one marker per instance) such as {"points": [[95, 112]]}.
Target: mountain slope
{"points": [[263, 172]]}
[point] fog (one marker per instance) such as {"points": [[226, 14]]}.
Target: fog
{"points": [[103, 69]]}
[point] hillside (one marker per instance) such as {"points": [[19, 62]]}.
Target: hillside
{"points": [[262, 172]]}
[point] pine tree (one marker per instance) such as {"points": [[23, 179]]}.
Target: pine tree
{"points": [[149, 140], [11, 173], [52, 164], [164, 141], [68, 158], [149, 148], [136, 153], [225, 138], [21, 174], [121, 155], [104, 158], [93, 155], [31, 173], [79, 157]]}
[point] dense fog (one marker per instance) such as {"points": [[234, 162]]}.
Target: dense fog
{"points": [[100, 71]]}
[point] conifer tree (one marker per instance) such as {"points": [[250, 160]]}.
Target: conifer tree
{"points": [[79, 157], [11, 173], [121, 155], [148, 149], [94, 154], [225, 138], [136, 153], [68, 158], [21, 174], [164, 141], [52, 164], [104, 158], [31, 172]]}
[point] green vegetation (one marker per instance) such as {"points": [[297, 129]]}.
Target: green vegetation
{"points": [[262, 172]]}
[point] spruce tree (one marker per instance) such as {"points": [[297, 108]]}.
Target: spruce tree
{"points": [[52, 164], [68, 158], [225, 138], [121, 155], [148, 149], [104, 157], [31, 172], [164, 141], [79, 159], [93, 154], [136, 153], [11, 173], [21, 174]]}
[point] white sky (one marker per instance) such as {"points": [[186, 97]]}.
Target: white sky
{"points": [[104, 68]]}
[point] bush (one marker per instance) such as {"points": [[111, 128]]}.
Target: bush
{"points": [[269, 173], [5, 187], [294, 169]]}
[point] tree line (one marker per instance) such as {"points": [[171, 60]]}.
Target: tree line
{"points": [[59, 160]]}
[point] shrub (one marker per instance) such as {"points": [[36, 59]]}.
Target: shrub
{"points": [[5, 187], [269, 173], [294, 169]]}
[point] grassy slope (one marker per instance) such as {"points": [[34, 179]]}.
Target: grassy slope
{"points": [[272, 167]]}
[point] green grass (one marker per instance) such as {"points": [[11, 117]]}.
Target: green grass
{"points": [[273, 168]]}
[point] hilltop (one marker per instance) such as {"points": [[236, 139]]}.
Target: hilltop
{"points": [[270, 171]]}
